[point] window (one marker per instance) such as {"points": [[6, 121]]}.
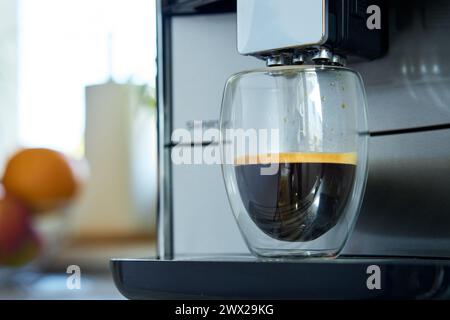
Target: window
{"points": [[67, 45]]}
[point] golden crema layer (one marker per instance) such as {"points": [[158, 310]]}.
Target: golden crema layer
{"points": [[297, 157]]}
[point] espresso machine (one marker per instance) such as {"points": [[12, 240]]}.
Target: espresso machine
{"points": [[402, 231]]}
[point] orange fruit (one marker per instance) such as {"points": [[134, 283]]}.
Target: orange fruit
{"points": [[43, 179]]}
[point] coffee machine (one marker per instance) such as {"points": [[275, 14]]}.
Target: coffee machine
{"points": [[403, 229]]}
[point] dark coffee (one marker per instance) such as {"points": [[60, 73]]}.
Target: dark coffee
{"points": [[303, 200]]}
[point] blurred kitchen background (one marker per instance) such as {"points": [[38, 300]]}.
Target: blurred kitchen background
{"points": [[78, 76]]}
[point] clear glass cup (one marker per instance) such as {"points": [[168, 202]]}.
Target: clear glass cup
{"points": [[294, 145]]}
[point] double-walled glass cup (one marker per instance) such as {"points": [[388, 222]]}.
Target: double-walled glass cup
{"points": [[294, 153]]}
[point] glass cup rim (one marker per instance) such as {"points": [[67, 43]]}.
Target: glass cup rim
{"points": [[292, 68]]}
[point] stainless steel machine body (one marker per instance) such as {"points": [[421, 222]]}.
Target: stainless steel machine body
{"points": [[406, 209]]}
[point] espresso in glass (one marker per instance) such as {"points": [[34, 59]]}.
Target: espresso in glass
{"points": [[304, 198]]}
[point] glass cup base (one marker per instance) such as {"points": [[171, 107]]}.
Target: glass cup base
{"points": [[266, 253]]}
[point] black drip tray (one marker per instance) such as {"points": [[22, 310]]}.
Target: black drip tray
{"points": [[241, 277]]}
